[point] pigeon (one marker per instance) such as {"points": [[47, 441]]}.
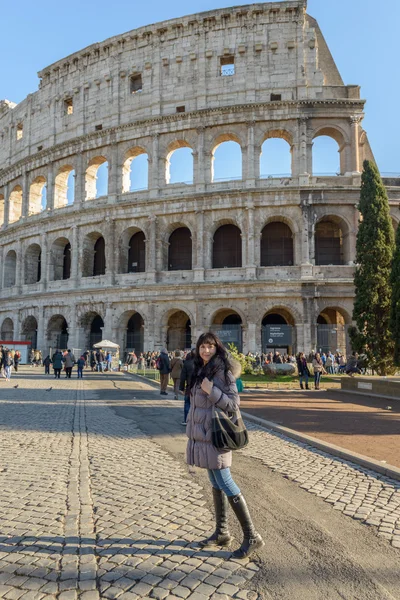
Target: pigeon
{"points": [[15, 386], [49, 390], [388, 407]]}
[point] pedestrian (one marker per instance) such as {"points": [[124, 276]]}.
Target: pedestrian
{"points": [[303, 370], [57, 360], [8, 364], [47, 363], [213, 383], [184, 385], [69, 361], [108, 361], [17, 359], [318, 367], [176, 370], [164, 367], [352, 366], [81, 362]]}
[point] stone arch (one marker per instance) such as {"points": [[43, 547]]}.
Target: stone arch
{"points": [[336, 133], [129, 157], [177, 147], [277, 247], [282, 154], [15, 204], [178, 329], [91, 191], [93, 257], [227, 324], [332, 240], [10, 269], [33, 264], [64, 186], [180, 249], [278, 330], [92, 323], [38, 195], [7, 329], [57, 332], [332, 326], [2, 207], [132, 251], [29, 330], [131, 331], [227, 246], [60, 265], [233, 172]]}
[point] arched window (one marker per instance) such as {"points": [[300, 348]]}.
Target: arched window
{"points": [[7, 330], [137, 253], [97, 178], [64, 187], [15, 208], [10, 269], [328, 243], [180, 250], [60, 266], [33, 267], [38, 195], [227, 247], [227, 161], [328, 152], [135, 171], [179, 166], [276, 245], [99, 259], [275, 158], [67, 261]]}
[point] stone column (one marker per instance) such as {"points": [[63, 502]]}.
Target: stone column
{"points": [[108, 329], [73, 337], [251, 271], [41, 332], [151, 257], [199, 256], [306, 231], [75, 275], [251, 345], [25, 195], [44, 275], [20, 269], [50, 187], [252, 172], [149, 340], [154, 168], [355, 150], [1, 267], [6, 205], [302, 163], [199, 171], [80, 174], [111, 251], [113, 184]]}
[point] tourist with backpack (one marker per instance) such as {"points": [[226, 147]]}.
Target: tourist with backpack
{"points": [[164, 366]]}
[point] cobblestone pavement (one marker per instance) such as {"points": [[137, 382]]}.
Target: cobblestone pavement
{"points": [[92, 508], [355, 491]]}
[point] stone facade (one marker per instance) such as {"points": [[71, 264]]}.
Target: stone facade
{"points": [[64, 269]]}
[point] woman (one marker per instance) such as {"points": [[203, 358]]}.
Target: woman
{"points": [[318, 367], [214, 384], [176, 370], [302, 368], [9, 361]]}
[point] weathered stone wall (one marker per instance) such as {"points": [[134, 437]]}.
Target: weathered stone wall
{"points": [[277, 50]]}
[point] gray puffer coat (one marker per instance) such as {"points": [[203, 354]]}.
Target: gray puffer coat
{"points": [[200, 451]]}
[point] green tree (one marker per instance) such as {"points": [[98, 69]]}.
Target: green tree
{"points": [[375, 247], [395, 305]]}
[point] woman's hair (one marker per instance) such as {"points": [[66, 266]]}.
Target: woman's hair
{"points": [[220, 361], [177, 353]]}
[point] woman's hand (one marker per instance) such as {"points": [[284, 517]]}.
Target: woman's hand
{"points": [[207, 386]]}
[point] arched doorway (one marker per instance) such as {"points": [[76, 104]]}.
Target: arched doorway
{"points": [[227, 247], [99, 259], [227, 325], [329, 248], [33, 264], [137, 253], [180, 250], [96, 331], [57, 333], [7, 330], [179, 331], [278, 333], [135, 334], [29, 331], [332, 331]]}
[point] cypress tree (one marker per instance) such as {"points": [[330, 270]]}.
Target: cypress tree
{"points": [[374, 254], [395, 305]]}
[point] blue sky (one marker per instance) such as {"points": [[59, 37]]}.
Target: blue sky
{"points": [[361, 34]]}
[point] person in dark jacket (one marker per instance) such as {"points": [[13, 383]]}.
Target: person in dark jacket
{"points": [[184, 385], [81, 362], [47, 363], [165, 369], [213, 384], [303, 370], [57, 360]]}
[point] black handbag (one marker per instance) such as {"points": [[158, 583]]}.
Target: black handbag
{"points": [[228, 430]]}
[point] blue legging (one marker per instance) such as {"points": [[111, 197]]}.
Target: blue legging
{"points": [[221, 479]]}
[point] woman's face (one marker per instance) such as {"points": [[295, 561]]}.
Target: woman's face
{"points": [[207, 351]]}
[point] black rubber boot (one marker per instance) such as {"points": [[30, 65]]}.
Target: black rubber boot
{"points": [[221, 535], [252, 540], [301, 386], [307, 388]]}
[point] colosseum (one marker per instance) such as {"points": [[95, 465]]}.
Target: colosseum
{"points": [[265, 261]]}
